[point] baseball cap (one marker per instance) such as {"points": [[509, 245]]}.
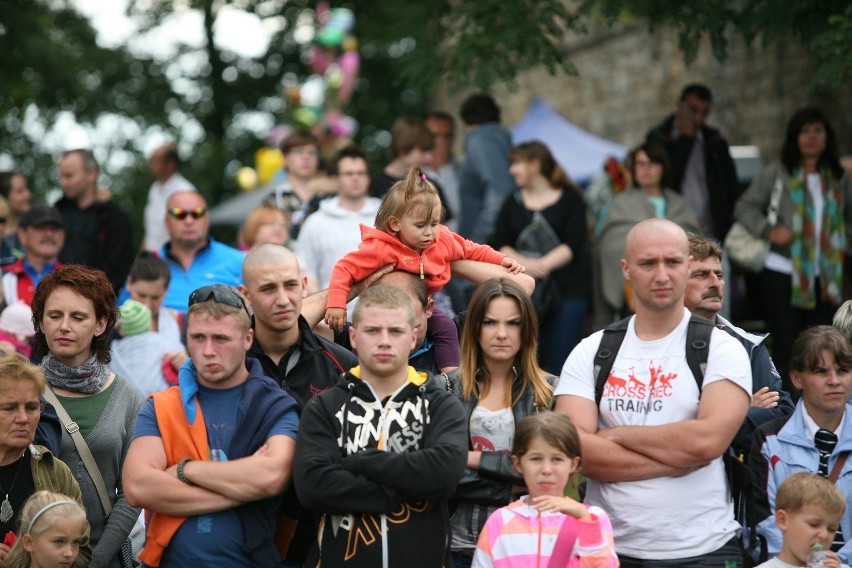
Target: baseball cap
{"points": [[41, 215]]}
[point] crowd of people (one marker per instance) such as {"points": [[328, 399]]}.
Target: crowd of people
{"points": [[390, 369]]}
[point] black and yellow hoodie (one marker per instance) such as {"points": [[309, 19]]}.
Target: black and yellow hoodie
{"points": [[380, 472]]}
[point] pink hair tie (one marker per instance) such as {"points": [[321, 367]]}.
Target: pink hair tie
{"points": [[423, 177]]}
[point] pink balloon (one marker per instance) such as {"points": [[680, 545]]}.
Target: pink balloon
{"points": [[320, 60], [349, 63]]}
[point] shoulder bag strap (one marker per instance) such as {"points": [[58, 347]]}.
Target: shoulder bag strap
{"points": [[838, 465], [774, 201], [82, 448]]}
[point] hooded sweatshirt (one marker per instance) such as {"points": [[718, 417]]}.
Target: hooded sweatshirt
{"points": [[329, 234], [378, 248], [380, 472]]}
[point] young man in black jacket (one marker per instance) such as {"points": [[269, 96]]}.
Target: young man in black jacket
{"points": [[301, 362], [380, 453]]}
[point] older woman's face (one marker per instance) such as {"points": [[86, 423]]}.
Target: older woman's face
{"points": [[69, 325], [827, 387], [20, 411], [812, 140], [500, 334]]}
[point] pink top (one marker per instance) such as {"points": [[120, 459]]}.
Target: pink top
{"points": [[519, 535]]}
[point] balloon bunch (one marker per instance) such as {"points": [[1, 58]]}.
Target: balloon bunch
{"points": [[334, 63], [315, 104]]}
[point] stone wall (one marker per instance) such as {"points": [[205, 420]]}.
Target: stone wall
{"points": [[629, 80]]}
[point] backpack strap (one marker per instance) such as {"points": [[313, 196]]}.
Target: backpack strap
{"points": [[613, 337], [698, 334]]}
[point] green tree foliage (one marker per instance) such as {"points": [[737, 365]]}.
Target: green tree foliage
{"points": [[53, 65], [825, 25]]}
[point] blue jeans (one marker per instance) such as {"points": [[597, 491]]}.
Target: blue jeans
{"points": [[560, 333], [461, 560]]}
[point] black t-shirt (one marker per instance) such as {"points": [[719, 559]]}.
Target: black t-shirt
{"points": [[16, 489]]}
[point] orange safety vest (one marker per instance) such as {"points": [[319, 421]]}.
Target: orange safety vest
{"points": [[180, 440]]}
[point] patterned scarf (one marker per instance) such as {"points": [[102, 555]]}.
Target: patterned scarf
{"points": [[88, 378], [832, 242]]}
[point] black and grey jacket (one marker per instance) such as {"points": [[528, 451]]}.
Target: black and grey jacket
{"points": [[380, 472]]}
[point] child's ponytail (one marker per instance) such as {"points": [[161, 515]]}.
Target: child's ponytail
{"points": [[414, 192]]}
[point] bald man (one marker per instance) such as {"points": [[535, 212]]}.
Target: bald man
{"points": [[300, 361], [195, 258], [303, 363], [652, 447]]}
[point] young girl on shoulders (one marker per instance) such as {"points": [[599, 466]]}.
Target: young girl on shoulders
{"points": [[545, 528], [53, 526], [409, 235]]}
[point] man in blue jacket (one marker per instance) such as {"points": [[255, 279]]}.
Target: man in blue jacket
{"points": [[705, 289]]}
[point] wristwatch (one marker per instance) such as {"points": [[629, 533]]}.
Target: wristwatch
{"points": [[180, 474]]}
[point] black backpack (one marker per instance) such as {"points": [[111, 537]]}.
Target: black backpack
{"points": [[698, 334]]}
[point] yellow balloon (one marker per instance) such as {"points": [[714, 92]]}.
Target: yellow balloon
{"points": [[247, 178], [268, 161]]}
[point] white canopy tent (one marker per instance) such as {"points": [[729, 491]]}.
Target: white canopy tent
{"points": [[580, 153]]}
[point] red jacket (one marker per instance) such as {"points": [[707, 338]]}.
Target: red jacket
{"points": [[17, 284], [378, 249]]}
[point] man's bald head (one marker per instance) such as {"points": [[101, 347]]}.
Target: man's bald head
{"points": [[655, 228], [185, 200], [264, 256]]}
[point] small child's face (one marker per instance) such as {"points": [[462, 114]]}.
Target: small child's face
{"points": [[545, 468], [148, 292], [804, 528], [58, 546], [416, 231]]}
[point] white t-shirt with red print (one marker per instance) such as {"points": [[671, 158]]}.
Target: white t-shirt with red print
{"points": [[650, 384]]}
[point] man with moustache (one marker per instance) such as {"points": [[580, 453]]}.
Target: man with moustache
{"points": [[42, 235], [705, 289]]}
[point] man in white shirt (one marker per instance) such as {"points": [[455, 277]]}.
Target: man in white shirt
{"points": [[652, 447], [335, 228], [163, 165]]}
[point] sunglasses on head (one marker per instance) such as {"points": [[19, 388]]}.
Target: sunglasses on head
{"points": [[221, 294], [180, 214]]}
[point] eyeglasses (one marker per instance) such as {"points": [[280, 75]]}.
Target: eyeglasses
{"points": [[221, 294], [180, 214]]}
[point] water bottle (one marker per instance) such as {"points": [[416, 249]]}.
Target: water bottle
{"points": [[816, 557]]}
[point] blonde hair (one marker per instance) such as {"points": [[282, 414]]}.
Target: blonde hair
{"points": [[386, 297], [803, 488], [16, 367], [414, 195], [41, 511]]}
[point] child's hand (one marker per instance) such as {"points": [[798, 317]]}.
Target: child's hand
{"points": [[832, 560], [512, 265], [557, 504], [335, 318]]}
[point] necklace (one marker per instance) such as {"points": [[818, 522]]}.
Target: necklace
{"points": [[6, 510]]}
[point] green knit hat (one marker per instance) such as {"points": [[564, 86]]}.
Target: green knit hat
{"points": [[135, 318]]}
